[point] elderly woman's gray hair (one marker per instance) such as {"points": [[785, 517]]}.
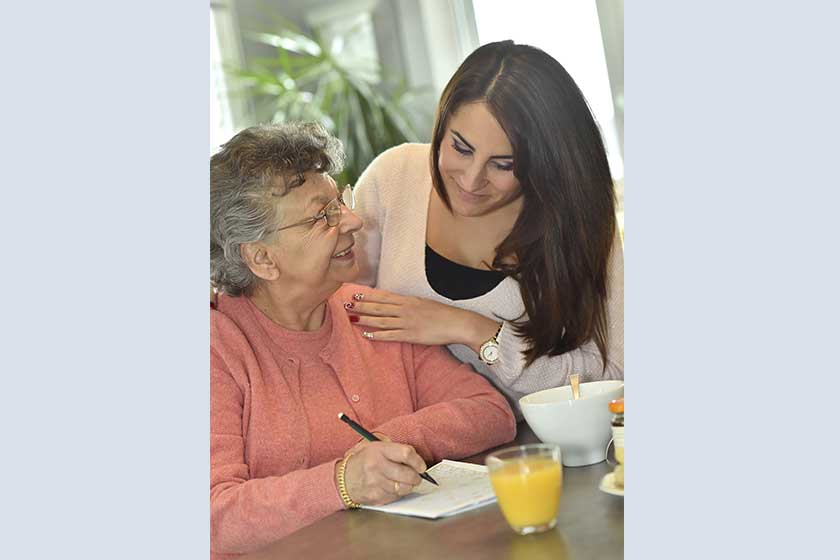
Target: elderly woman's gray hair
{"points": [[243, 208]]}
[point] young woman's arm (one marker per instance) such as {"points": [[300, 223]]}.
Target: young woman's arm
{"points": [[394, 317]]}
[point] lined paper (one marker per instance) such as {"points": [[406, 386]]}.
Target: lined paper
{"points": [[463, 486]]}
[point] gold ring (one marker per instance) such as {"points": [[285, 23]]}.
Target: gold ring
{"points": [[368, 335]]}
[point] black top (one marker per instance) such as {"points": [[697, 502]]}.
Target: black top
{"points": [[456, 281]]}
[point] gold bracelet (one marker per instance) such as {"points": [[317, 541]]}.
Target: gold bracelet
{"points": [[342, 486]]}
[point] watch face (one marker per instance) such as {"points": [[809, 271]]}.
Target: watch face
{"points": [[490, 353]]}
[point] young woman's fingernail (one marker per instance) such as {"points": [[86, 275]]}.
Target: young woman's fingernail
{"points": [[358, 297], [348, 305], [354, 318]]}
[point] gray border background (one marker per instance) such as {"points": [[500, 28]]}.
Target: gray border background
{"points": [[731, 283], [105, 410], [731, 278]]}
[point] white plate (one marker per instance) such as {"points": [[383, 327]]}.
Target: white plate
{"points": [[608, 485]]}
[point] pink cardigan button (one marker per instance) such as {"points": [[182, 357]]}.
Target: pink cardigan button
{"points": [[355, 398]]}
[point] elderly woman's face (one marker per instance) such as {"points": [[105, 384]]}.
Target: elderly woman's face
{"points": [[315, 254]]}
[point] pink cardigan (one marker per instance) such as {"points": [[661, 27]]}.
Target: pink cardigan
{"points": [[274, 399]]}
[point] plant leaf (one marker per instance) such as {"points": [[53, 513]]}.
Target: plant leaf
{"points": [[288, 40]]}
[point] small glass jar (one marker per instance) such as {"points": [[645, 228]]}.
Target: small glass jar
{"points": [[617, 409]]}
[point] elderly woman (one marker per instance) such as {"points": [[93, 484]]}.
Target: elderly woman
{"points": [[286, 358]]}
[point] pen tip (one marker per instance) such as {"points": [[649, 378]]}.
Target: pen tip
{"points": [[340, 414]]}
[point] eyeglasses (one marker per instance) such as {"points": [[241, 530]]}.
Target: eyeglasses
{"points": [[331, 213]]}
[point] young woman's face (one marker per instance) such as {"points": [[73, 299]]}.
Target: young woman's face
{"points": [[476, 163]]}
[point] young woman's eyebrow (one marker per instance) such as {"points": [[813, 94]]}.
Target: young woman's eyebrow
{"points": [[470, 146]]}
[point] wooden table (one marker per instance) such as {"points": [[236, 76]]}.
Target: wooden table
{"points": [[590, 525]]}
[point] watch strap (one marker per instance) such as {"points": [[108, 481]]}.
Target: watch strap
{"points": [[498, 332]]}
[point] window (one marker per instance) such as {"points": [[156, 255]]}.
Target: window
{"points": [[221, 120]]}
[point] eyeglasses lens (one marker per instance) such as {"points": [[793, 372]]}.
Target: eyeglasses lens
{"points": [[333, 213], [348, 197]]}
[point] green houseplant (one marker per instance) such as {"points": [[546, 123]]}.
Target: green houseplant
{"points": [[308, 79]]}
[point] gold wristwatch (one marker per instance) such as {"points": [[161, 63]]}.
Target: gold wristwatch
{"points": [[489, 351]]}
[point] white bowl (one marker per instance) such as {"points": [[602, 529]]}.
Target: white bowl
{"points": [[580, 427]]}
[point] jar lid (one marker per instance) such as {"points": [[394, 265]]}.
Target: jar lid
{"points": [[617, 405]]}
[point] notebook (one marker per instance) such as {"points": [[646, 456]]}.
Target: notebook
{"points": [[463, 486]]}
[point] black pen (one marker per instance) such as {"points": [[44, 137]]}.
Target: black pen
{"points": [[370, 437]]}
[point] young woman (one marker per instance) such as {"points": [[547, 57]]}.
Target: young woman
{"points": [[499, 239]]}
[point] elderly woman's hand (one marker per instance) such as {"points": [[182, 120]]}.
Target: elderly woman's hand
{"points": [[379, 472], [380, 435], [418, 320]]}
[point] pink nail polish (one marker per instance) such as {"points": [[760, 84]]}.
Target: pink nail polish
{"points": [[354, 318]]}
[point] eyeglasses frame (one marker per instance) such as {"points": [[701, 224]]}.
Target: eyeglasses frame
{"points": [[325, 214]]}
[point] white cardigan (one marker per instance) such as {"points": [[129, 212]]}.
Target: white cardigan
{"points": [[392, 197]]}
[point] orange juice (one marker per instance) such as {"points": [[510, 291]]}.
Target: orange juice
{"points": [[528, 490]]}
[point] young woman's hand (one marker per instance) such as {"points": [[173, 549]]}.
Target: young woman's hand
{"points": [[379, 472], [417, 320]]}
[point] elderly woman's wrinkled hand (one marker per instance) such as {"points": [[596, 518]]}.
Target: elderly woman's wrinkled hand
{"points": [[379, 472], [380, 435], [411, 319]]}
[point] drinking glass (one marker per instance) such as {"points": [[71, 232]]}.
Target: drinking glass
{"points": [[528, 482]]}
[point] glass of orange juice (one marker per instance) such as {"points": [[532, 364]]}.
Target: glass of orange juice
{"points": [[528, 481]]}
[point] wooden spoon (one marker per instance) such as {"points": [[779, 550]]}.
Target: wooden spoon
{"points": [[574, 379]]}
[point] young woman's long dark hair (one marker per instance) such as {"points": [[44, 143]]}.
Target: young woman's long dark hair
{"points": [[563, 237]]}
